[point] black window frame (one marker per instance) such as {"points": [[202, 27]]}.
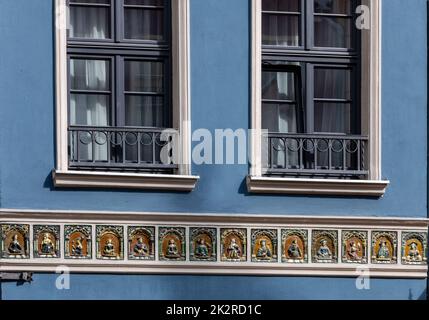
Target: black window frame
{"points": [[306, 57], [117, 49]]}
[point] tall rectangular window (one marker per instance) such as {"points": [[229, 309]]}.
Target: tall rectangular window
{"points": [[311, 89], [119, 62]]}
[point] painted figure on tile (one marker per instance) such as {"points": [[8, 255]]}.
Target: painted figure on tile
{"points": [[264, 251], [47, 246], [77, 247], [140, 248], [383, 251], [354, 250], [294, 251], [172, 250], [233, 250], [109, 248], [414, 253], [324, 252], [202, 249], [15, 246]]}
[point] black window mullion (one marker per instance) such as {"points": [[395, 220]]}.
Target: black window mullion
{"points": [[120, 89], [309, 23]]}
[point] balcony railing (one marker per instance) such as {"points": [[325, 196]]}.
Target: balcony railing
{"points": [[318, 155], [121, 148]]}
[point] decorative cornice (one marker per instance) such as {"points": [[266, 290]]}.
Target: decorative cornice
{"points": [[81, 179], [369, 188]]}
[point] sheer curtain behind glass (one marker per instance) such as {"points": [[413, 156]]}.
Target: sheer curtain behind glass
{"points": [[279, 113], [89, 102], [90, 21]]}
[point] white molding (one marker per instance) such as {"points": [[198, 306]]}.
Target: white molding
{"points": [[255, 220], [181, 95], [371, 107], [83, 179], [369, 188], [125, 219]]}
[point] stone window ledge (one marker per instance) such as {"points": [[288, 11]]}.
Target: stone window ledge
{"points": [[85, 179], [370, 188]]}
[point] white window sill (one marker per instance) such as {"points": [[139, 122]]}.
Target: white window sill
{"points": [[86, 179], [371, 188]]}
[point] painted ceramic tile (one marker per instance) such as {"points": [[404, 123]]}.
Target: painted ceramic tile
{"points": [[46, 241], [172, 243], [324, 246], [264, 245], [233, 245], [110, 245], [77, 242], [15, 243], [355, 244], [294, 246], [384, 247], [414, 247], [141, 243], [203, 243]]}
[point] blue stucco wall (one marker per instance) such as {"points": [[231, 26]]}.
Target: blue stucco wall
{"points": [[213, 288], [220, 99]]}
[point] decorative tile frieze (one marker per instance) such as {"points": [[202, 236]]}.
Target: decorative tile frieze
{"points": [[233, 245], [294, 246], [324, 246], [414, 247], [203, 242], [354, 246], [15, 241], [172, 244], [110, 242], [264, 245], [384, 247], [46, 241], [141, 243]]}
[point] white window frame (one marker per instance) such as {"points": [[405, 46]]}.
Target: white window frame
{"points": [[184, 180], [374, 186]]}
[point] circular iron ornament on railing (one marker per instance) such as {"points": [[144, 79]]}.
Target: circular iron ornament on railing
{"points": [[85, 137], [277, 146], [306, 142], [134, 138], [158, 141], [98, 135], [333, 147], [290, 147], [349, 144], [146, 139], [116, 138], [318, 143]]}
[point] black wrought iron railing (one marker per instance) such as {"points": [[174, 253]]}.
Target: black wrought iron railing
{"points": [[122, 148], [318, 155]]}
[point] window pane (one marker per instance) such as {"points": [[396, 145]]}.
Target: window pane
{"points": [[144, 76], [333, 6], [145, 2], [332, 83], [89, 109], [281, 30], [278, 85], [332, 32], [280, 118], [89, 74], [144, 24], [281, 5], [144, 111], [332, 117], [89, 22]]}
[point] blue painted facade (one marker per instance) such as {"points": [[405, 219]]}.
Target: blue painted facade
{"points": [[220, 93]]}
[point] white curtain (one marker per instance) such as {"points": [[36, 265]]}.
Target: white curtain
{"points": [[88, 22], [90, 109]]}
